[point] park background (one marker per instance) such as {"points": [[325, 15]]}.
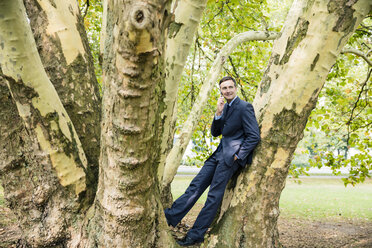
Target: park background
{"points": [[335, 202]]}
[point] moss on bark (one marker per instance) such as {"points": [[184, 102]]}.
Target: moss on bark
{"points": [[295, 39]]}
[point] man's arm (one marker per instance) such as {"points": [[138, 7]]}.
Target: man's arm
{"points": [[251, 132], [216, 129]]}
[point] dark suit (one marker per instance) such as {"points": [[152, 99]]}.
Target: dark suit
{"points": [[240, 135]]}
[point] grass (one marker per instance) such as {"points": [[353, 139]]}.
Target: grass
{"points": [[180, 184], [328, 198], [313, 199]]}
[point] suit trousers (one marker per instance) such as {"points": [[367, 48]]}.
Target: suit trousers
{"points": [[215, 173]]}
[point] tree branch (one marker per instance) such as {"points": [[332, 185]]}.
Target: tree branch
{"points": [[180, 37], [356, 104], [358, 53], [87, 5], [239, 78]]}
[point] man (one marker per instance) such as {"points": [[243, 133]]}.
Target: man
{"points": [[237, 123]]}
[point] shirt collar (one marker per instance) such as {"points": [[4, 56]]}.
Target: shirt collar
{"points": [[233, 100]]}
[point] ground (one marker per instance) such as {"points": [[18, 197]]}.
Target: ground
{"points": [[293, 232], [300, 233]]}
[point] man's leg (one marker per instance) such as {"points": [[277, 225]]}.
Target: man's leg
{"points": [[196, 188], [215, 195]]}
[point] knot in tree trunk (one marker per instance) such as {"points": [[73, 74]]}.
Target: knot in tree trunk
{"points": [[140, 16]]}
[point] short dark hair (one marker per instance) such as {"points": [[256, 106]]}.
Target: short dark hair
{"points": [[227, 78]]}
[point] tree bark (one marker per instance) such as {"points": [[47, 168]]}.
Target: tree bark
{"points": [[299, 64], [44, 172], [128, 211], [64, 50], [175, 155], [44, 183], [180, 34]]}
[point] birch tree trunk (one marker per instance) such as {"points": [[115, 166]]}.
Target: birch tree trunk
{"points": [[299, 64], [64, 50], [128, 211], [180, 36], [45, 184]]}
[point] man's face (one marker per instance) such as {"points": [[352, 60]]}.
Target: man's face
{"points": [[228, 90]]}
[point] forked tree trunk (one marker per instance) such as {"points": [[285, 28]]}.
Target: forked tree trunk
{"points": [[45, 184], [128, 211], [299, 64]]}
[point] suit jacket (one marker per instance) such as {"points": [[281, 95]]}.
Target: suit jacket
{"points": [[240, 132]]}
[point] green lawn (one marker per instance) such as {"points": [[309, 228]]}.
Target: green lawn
{"points": [[327, 198], [180, 184], [314, 198]]}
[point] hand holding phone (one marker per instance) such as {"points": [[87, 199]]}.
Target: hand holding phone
{"points": [[220, 104]]}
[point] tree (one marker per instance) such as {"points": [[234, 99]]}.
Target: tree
{"points": [[45, 172]]}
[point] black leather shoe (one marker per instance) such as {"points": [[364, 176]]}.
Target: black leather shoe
{"points": [[187, 241]]}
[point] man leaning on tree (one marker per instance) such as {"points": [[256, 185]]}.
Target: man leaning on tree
{"points": [[236, 122]]}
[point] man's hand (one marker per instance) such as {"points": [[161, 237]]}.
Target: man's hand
{"points": [[220, 104], [235, 157]]}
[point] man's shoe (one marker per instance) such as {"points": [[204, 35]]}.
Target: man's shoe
{"points": [[187, 241]]}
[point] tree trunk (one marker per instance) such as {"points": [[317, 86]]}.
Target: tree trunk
{"points": [[63, 47], [128, 211], [45, 180], [45, 166], [297, 70], [181, 32]]}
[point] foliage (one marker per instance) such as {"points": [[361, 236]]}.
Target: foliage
{"points": [[339, 125], [246, 64], [92, 13], [341, 121]]}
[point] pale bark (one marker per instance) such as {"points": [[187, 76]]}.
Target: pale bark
{"points": [[52, 164], [128, 211], [175, 155], [63, 47], [300, 62], [180, 34]]}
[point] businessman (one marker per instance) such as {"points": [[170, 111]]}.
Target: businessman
{"points": [[237, 123]]}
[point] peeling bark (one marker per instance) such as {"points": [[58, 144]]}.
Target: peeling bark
{"points": [[43, 150], [128, 211], [250, 210], [63, 47], [181, 32]]}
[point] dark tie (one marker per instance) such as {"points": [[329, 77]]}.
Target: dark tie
{"points": [[227, 109]]}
